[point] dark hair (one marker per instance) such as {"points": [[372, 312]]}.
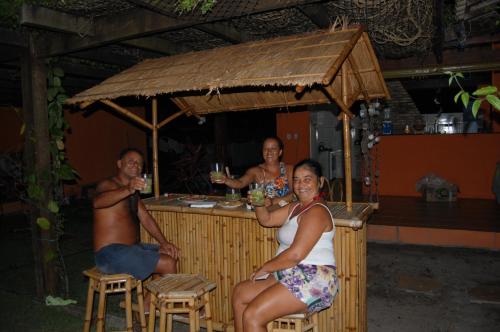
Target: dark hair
{"points": [[311, 164], [127, 150], [277, 139]]}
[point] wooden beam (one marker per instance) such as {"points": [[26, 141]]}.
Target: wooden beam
{"points": [[127, 113], [155, 44], [172, 117], [140, 22], [45, 18], [318, 14], [224, 31], [473, 59]]}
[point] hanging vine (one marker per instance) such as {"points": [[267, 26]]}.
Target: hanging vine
{"points": [[60, 171]]}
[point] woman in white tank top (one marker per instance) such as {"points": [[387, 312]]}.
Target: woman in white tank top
{"points": [[302, 276]]}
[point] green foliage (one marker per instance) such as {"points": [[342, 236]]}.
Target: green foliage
{"points": [[189, 5], [488, 93], [43, 223]]}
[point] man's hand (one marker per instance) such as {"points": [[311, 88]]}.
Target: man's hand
{"points": [[169, 249], [136, 183]]}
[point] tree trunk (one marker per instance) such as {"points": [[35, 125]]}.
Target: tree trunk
{"points": [[37, 158]]}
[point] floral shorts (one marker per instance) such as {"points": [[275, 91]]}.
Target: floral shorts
{"points": [[315, 285]]}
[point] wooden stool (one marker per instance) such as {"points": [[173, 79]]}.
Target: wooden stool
{"points": [[180, 293], [106, 284], [294, 323]]}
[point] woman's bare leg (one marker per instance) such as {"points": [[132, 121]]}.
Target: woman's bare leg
{"points": [[273, 302], [243, 294]]}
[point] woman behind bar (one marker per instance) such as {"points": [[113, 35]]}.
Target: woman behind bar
{"points": [[302, 276], [275, 175]]}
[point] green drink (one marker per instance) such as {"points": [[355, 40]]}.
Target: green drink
{"points": [[217, 172], [258, 196], [216, 176], [148, 188]]}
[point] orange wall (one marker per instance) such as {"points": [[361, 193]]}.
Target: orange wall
{"points": [[293, 129], [466, 160], [10, 127], [94, 142]]}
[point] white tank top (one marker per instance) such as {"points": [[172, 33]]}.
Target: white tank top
{"points": [[322, 252]]}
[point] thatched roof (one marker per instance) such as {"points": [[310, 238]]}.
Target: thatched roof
{"points": [[292, 70]]}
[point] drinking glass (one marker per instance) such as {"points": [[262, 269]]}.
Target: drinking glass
{"points": [[257, 193], [217, 171], [148, 187]]}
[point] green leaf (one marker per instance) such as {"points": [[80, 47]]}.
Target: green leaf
{"points": [[448, 72], [58, 72], [57, 82], [49, 256], [66, 172], [43, 223], [459, 74], [458, 95], [60, 144], [465, 99], [61, 98], [487, 90], [23, 128], [53, 207], [450, 80], [51, 93], [494, 101], [475, 107]]}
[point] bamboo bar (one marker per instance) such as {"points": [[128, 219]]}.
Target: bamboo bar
{"points": [[155, 148], [227, 245]]}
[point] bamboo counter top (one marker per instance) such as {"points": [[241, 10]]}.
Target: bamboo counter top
{"points": [[343, 218], [227, 245]]}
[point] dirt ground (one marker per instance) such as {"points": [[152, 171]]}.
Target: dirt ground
{"points": [[410, 288]]}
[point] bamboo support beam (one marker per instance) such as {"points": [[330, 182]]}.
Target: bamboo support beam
{"points": [[183, 105], [347, 143], [86, 104], [330, 74], [170, 118], [155, 148], [331, 93], [127, 113]]}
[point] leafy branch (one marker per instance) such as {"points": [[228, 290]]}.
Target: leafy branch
{"points": [[488, 93], [189, 5]]}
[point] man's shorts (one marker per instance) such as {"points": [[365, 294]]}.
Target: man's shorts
{"points": [[139, 259], [315, 285]]}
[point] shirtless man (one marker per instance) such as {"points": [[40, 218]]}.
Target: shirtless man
{"points": [[118, 211]]}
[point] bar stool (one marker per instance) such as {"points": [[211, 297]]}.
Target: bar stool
{"points": [[294, 323], [106, 284], [180, 293]]}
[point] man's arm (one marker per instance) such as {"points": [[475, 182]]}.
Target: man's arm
{"points": [[152, 228], [108, 194]]}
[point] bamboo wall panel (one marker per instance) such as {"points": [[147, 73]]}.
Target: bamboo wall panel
{"points": [[227, 249]]}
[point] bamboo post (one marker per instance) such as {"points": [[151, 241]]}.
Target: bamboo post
{"points": [[347, 143], [155, 148]]}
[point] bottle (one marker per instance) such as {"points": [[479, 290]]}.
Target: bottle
{"points": [[387, 123]]}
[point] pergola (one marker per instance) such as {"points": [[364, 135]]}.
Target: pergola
{"points": [[313, 68]]}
